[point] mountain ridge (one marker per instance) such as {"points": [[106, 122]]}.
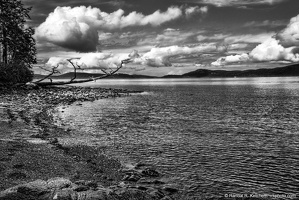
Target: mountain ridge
{"points": [[290, 70]]}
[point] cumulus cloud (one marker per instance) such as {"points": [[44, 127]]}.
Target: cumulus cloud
{"points": [[191, 11], [58, 62], [89, 61], [231, 59], [160, 56], [281, 47], [77, 28], [290, 35], [271, 50]]}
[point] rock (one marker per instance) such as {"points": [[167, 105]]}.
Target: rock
{"points": [[67, 194], [92, 195], [35, 188], [58, 183], [16, 196], [31, 85], [28, 191]]}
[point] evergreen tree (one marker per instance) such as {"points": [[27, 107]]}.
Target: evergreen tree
{"points": [[17, 46]]}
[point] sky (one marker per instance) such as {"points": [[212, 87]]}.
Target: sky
{"points": [[165, 37]]}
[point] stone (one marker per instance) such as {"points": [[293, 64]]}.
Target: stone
{"points": [[16, 196], [31, 85], [91, 195], [67, 194], [58, 183], [35, 188]]}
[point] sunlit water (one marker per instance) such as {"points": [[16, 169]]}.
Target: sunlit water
{"points": [[211, 136]]}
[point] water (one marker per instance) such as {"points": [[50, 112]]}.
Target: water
{"points": [[211, 136]]}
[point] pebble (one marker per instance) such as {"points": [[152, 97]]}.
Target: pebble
{"points": [[63, 189]]}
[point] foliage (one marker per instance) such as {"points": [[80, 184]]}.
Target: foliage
{"points": [[15, 73], [17, 46]]}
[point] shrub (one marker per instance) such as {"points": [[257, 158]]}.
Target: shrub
{"points": [[15, 73]]}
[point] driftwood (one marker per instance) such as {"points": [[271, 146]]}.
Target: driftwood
{"points": [[73, 79]]}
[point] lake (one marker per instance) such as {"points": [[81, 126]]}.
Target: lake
{"points": [[212, 137]]}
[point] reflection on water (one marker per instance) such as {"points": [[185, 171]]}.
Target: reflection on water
{"points": [[212, 136]]}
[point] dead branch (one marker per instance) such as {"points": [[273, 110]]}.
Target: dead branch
{"points": [[53, 71], [73, 80]]}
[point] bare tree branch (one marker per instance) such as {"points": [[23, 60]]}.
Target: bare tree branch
{"points": [[73, 80], [54, 71]]}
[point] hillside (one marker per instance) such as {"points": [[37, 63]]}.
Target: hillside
{"points": [[291, 70]]}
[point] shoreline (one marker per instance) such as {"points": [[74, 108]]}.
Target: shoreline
{"points": [[30, 148]]}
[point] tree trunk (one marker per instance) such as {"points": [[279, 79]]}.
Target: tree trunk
{"points": [[4, 50]]}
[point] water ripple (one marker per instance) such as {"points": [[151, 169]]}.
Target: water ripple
{"points": [[212, 139]]}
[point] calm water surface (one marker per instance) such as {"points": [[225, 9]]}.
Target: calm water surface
{"points": [[211, 136]]}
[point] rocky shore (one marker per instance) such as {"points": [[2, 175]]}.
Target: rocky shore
{"points": [[34, 165]]}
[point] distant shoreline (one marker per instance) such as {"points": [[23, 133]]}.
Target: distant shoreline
{"points": [[288, 71]]}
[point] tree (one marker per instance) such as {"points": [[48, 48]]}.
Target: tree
{"points": [[18, 52], [73, 80], [17, 45]]}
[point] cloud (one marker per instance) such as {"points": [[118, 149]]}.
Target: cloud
{"points": [[58, 61], [271, 50], [230, 39], [231, 59], [89, 61], [77, 28], [237, 3], [266, 23], [290, 35], [191, 11], [172, 36], [248, 38], [281, 47], [161, 56]]}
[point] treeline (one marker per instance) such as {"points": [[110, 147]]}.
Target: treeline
{"points": [[17, 46]]}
